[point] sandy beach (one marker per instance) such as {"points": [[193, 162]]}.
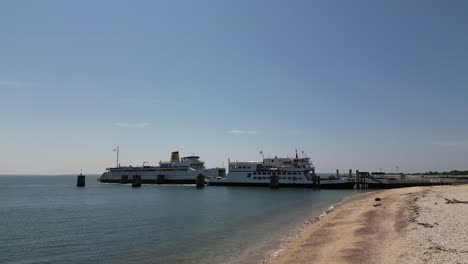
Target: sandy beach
{"points": [[407, 225]]}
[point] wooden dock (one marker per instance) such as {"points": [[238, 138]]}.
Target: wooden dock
{"points": [[364, 180]]}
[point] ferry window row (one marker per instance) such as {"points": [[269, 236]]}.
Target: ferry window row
{"points": [[278, 173], [281, 178], [240, 167]]}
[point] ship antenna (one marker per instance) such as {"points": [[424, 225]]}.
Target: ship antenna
{"points": [[261, 153], [296, 154]]}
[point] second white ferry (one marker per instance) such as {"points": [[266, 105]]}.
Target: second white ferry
{"points": [[176, 171], [291, 172]]}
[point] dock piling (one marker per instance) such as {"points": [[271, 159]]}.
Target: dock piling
{"points": [[81, 180], [136, 181], [318, 183], [200, 181], [274, 181], [123, 179], [358, 180], [314, 179], [160, 179]]}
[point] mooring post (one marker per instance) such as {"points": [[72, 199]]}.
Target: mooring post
{"points": [[358, 180], [123, 179], [136, 181], [318, 182], [274, 181], [364, 179], [367, 180], [366, 176], [200, 181], [81, 180], [160, 179], [314, 179]]}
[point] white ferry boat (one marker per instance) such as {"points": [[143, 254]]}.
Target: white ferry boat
{"points": [[291, 172], [176, 171]]}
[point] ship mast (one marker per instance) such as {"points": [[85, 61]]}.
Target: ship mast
{"points": [[117, 161]]}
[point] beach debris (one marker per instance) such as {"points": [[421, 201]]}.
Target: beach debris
{"points": [[438, 248], [406, 194], [426, 225], [448, 201], [378, 199], [375, 205], [443, 249]]}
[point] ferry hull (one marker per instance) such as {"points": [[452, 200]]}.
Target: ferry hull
{"points": [[151, 181], [345, 185], [159, 177]]}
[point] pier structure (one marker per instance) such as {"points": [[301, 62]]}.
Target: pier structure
{"points": [[366, 180], [361, 182]]}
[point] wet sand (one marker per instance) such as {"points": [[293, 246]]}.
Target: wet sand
{"points": [[408, 225]]}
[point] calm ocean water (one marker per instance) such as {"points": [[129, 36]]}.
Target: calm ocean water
{"points": [[46, 219]]}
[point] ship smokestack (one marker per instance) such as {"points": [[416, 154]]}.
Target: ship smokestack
{"points": [[175, 156]]}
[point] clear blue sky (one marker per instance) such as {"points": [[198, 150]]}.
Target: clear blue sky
{"points": [[355, 84]]}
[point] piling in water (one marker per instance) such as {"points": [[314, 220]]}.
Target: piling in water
{"points": [[80, 181], [314, 179], [200, 181], [160, 179], [136, 181], [358, 180], [124, 179], [274, 181]]}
